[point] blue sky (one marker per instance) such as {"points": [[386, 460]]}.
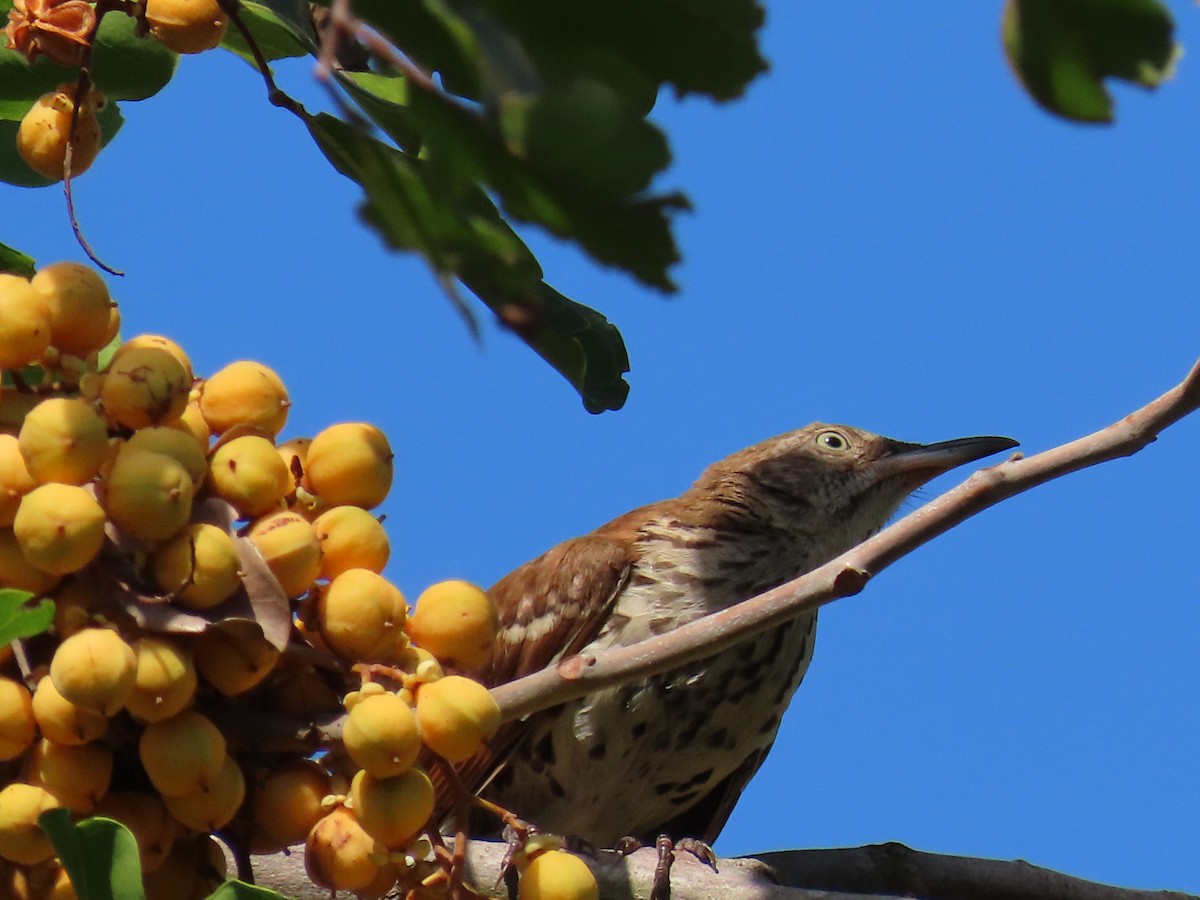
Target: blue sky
{"points": [[887, 233]]}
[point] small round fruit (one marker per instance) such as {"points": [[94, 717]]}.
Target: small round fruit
{"points": [[392, 810], [337, 854], [351, 538], [199, 565], [186, 26], [361, 616], [18, 728], [288, 802], [456, 622], [63, 439], [18, 572], [176, 442], [213, 805], [144, 814], [294, 451], [78, 776], [193, 422], [349, 464], [380, 735], [165, 682], [73, 602], [21, 840], [157, 342], [249, 474], [234, 656], [45, 132], [148, 495], [80, 306], [244, 393], [558, 875], [60, 527], [456, 715], [145, 386], [183, 754], [62, 721], [15, 480], [24, 322], [94, 669], [290, 548]]}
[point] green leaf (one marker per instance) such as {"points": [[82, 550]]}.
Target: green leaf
{"points": [[125, 67], [1062, 50], [276, 37], [467, 238], [631, 232], [19, 620], [100, 855], [16, 262], [15, 171], [579, 342], [383, 98], [698, 46]]}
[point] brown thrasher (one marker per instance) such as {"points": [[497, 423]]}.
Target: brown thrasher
{"points": [[672, 753]]}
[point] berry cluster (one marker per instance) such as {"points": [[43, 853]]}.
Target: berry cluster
{"points": [[226, 653]]}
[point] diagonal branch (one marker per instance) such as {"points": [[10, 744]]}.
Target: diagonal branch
{"points": [[847, 574]]}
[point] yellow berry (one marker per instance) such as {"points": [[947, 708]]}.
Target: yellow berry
{"points": [[456, 622], [21, 840], [234, 656], [293, 452], [73, 602], [248, 473], [165, 682], [338, 853], [18, 728], [79, 304], [199, 566], [15, 480], [288, 802], [18, 572], [78, 776], [94, 669], [558, 875], [361, 616], [63, 721], [60, 527], [145, 385], [456, 715], [214, 804], [244, 393], [193, 423], [380, 735], [351, 538], [290, 548], [63, 439], [349, 464], [157, 342], [24, 322], [176, 442], [186, 26], [45, 131], [392, 810], [148, 495], [183, 754]]}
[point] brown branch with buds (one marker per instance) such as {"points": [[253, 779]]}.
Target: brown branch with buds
{"points": [[577, 676]]}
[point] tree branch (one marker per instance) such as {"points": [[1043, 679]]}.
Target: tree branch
{"points": [[846, 575], [853, 873]]}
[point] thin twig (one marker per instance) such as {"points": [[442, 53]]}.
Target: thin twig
{"points": [[847, 574]]}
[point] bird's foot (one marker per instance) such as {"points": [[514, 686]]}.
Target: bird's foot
{"points": [[661, 887]]}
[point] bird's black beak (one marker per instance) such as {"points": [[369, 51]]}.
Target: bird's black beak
{"points": [[934, 459]]}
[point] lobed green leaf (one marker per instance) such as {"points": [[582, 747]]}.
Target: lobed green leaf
{"points": [[1062, 50], [100, 856], [16, 262], [20, 620]]}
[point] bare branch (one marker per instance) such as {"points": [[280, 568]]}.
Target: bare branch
{"points": [[847, 574]]}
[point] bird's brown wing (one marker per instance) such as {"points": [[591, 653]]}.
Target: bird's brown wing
{"points": [[549, 608]]}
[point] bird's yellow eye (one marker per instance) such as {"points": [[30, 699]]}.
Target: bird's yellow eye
{"points": [[833, 440]]}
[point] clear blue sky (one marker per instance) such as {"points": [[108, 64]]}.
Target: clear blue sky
{"points": [[887, 233]]}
